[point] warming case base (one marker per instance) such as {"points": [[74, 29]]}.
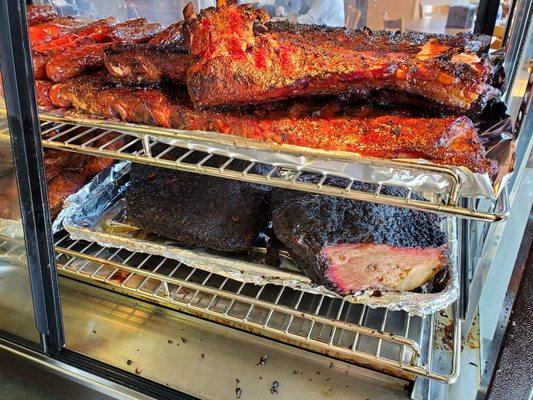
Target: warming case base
{"points": [[393, 342]]}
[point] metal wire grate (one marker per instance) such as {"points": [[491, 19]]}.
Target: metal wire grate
{"points": [[389, 341], [149, 148]]}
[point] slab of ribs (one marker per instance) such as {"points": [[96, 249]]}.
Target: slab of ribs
{"points": [[202, 54], [240, 58], [230, 70], [317, 123]]}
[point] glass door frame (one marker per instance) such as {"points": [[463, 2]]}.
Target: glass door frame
{"points": [[19, 93]]}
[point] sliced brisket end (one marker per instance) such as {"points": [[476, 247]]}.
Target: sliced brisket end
{"points": [[197, 210], [350, 246], [354, 267]]}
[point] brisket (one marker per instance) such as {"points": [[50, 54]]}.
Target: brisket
{"points": [[349, 246], [319, 124], [242, 59], [199, 210]]}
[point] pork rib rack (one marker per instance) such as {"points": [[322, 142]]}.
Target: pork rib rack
{"points": [[319, 124], [37, 14], [164, 57], [65, 64], [242, 59], [146, 64]]}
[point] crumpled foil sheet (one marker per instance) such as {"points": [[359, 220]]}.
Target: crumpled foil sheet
{"points": [[96, 213], [13, 228], [494, 128]]}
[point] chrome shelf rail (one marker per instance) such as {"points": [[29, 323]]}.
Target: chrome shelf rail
{"points": [[389, 341], [149, 146]]}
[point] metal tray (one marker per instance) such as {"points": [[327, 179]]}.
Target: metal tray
{"points": [[96, 213]]}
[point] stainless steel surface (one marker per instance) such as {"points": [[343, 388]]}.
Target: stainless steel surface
{"points": [[389, 341], [495, 257], [61, 378], [167, 347], [380, 339], [204, 359], [148, 145]]}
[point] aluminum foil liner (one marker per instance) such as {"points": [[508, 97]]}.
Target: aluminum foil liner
{"points": [[494, 127], [13, 228], [96, 213]]}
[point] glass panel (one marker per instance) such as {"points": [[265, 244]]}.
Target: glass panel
{"points": [[16, 307], [428, 16]]}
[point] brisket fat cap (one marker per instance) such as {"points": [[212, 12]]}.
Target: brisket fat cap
{"points": [[349, 246], [197, 210]]}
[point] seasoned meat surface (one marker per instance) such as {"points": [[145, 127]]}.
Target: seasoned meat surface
{"points": [[64, 30], [241, 58], [164, 57], [63, 35], [138, 30], [38, 14], [72, 62], [61, 187], [42, 91], [197, 210], [65, 66], [326, 125], [146, 64], [348, 245]]}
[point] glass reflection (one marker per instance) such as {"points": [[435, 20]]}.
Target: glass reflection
{"points": [[426, 16], [16, 308]]}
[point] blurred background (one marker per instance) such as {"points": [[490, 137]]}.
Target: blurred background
{"points": [[428, 16]]}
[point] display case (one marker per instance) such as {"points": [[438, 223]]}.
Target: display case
{"points": [[123, 320]]}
